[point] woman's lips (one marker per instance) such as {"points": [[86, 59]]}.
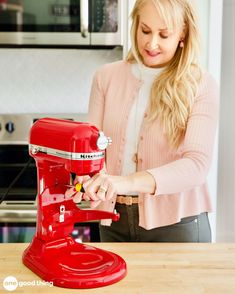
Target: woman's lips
{"points": [[152, 53]]}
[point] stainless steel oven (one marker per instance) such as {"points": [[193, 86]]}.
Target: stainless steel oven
{"points": [[18, 182], [61, 22]]}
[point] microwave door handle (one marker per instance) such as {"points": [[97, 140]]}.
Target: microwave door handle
{"points": [[84, 17]]}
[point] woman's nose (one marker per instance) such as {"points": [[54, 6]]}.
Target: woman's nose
{"points": [[153, 42]]}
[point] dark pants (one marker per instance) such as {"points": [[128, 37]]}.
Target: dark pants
{"points": [[127, 229]]}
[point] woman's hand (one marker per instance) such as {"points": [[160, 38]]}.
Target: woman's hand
{"points": [[103, 187], [72, 192], [100, 187]]}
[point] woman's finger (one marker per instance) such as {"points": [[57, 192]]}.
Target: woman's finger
{"points": [[70, 192], [102, 192], [90, 187], [78, 197], [81, 179], [90, 181], [110, 193], [94, 204], [86, 197]]}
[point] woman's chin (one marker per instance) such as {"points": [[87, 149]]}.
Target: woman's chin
{"points": [[150, 61], [154, 62], [151, 64]]}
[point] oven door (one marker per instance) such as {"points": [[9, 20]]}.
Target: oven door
{"points": [[18, 204]]}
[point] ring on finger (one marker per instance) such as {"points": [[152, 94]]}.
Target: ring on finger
{"points": [[102, 189]]}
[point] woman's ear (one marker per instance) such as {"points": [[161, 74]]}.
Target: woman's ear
{"points": [[181, 43], [183, 32], [182, 36]]}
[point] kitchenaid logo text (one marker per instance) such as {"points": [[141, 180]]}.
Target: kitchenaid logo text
{"points": [[10, 283], [91, 155]]}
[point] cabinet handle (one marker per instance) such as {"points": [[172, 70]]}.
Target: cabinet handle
{"points": [[84, 17]]}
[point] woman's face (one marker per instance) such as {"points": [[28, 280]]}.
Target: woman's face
{"points": [[156, 43]]}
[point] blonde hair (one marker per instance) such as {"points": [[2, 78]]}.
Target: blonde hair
{"points": [[174, 90]]}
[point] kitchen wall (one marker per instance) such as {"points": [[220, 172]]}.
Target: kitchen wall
{"points": [[226, 166], [49, 80]]}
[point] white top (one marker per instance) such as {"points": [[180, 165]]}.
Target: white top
{"points": [[147, 75]]}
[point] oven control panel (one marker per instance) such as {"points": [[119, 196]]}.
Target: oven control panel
{"points": [[14, 128]]}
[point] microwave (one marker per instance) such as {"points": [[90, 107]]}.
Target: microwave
{"points": [[61, 22]]}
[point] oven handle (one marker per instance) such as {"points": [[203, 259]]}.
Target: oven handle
{"points": [[20, 216], [25, 212], [84, 17]]}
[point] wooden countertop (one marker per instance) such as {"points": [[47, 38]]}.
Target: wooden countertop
{"points": [[152, 268]]}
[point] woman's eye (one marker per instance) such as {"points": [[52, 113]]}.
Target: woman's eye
{"points": [[163, 36], [145, 32]]}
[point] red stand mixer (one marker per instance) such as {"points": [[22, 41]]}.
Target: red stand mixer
{"points": [[62, 147]]}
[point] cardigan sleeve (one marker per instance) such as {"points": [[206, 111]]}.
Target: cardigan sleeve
{"points": [[197, 149], [96, 103]]}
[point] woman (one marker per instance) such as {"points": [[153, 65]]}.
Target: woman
{"points": [[160, 109]]}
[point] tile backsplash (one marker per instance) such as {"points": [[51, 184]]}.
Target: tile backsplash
{"points": [[49, 80]]}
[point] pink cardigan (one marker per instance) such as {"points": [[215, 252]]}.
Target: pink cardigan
{"points": [[181, 174]]}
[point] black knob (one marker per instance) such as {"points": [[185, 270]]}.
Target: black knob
{"points": [[10, 127]]}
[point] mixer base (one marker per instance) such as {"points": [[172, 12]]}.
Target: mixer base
{"points": [[68, 264]]}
